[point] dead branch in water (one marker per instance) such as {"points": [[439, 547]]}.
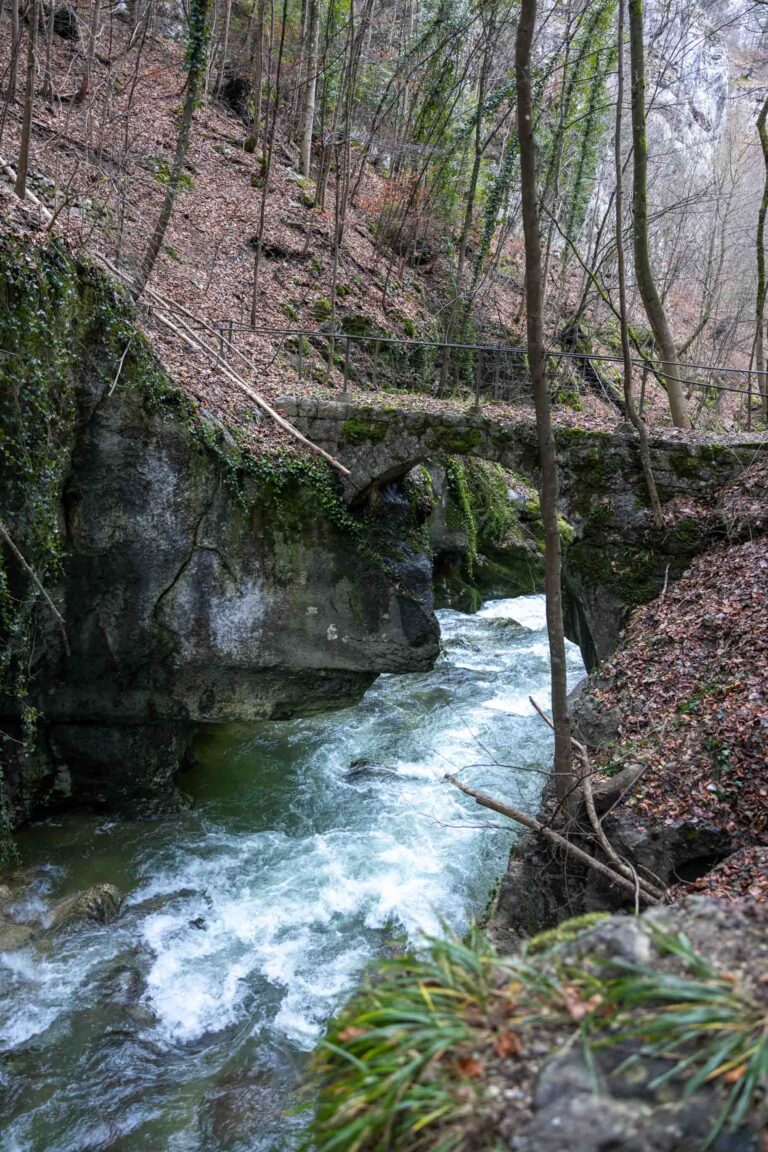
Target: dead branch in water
{"points": [[555, 838]]}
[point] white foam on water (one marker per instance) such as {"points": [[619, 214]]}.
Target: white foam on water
{"points": [[511, 704], [268, 929], [530, 611]]}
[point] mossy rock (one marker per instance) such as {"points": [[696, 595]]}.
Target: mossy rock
{"points": [[459, 441], [564, 933], [357, 430], [322, 309]]}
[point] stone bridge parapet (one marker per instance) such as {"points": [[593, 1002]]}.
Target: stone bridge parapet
{"points": [[617, 557]]}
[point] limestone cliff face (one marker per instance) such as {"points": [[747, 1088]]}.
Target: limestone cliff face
{"points": [[198, 583]]}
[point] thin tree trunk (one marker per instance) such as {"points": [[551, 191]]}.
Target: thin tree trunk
{"points": [[563, 770], [761, 278], [48, 74], [478, 147], [257, 91], [629, 399], [29, 100], [310, 90], [15, 50], [268, 166], [93, 32], [654, 309], [225, 46], [197, 53]]}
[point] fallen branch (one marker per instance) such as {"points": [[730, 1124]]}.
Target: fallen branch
{"points": [[553, 837], [623, 866], [120, 366], [182, 330], [36, 580], [191, 339]]}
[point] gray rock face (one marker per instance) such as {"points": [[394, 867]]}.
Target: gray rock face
{"points": [[186, 604]]}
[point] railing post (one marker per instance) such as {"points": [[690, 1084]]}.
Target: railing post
{"points": [[346, 366], [496, 373], [478, 370], [221, 341], [230, 334], [749, 401], [375, 362], [301, 355]]}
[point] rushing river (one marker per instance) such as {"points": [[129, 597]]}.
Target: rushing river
{"points": [[312, 847]]}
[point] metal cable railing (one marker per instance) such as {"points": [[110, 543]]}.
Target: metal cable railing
{"points": [[497, 371]]}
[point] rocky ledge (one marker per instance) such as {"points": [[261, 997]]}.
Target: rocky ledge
{"points": [[193, 581]]}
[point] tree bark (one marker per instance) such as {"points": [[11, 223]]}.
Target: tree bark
{"points": [[93, 32], [224, 46], [654, 309], [629, 399], [762, 383], [310, 90], [29, 100], [563, 768], [48, 73], [15, 49], [196, 54], [270, 146], [257, 86]]}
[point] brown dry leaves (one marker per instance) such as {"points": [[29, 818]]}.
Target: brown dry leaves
{"points": [[691, 681]]}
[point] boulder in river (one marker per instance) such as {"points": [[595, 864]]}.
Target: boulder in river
{"points": [[100, 904], [363, 769], [13, 935]]}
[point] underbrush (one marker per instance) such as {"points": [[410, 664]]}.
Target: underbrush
{"points": [[425, 1055]]}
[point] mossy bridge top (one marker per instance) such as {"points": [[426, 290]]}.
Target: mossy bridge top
{"points": [[379, 442]]}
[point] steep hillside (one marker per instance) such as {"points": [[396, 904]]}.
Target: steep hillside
{"points": [[101, 166]]}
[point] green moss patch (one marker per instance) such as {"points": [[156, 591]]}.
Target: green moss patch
{"points": [[357, 430]]}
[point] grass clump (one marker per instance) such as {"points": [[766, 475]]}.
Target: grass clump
{"points": [[421, 1057], [700, 1021], [396, 1068]]}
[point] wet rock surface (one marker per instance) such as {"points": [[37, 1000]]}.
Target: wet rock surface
{"points": [[201, 585], [100, 904], [27, 919]]}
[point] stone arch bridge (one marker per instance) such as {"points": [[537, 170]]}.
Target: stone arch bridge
{"points": [[617, 558]]}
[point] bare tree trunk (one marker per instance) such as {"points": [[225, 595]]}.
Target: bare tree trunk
{"points": [[224, 46], [93, 32], [15, 50], [654, 309], [629, 399], [268, 165], [488, 50], [548, 460], [257, 87], [197, 52], [48, 73], [762, 383], [310, 90], [29, 100]]}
